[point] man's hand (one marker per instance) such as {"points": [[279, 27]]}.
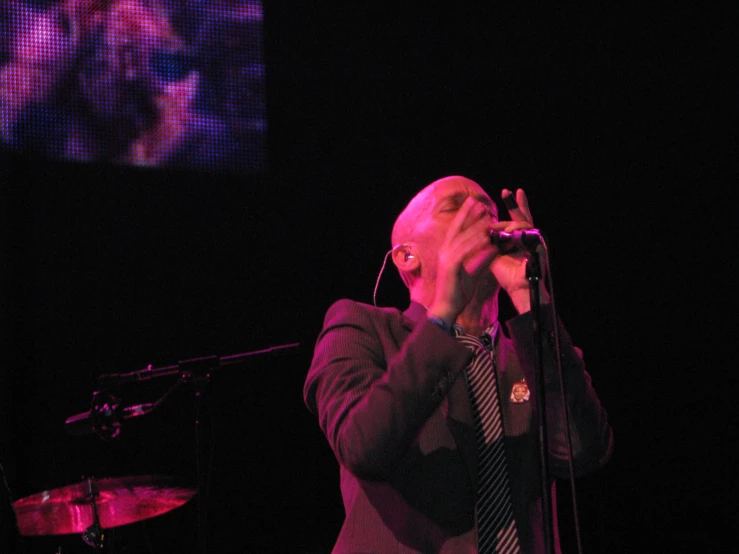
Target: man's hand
{"points": [[510, 268], [465, 252]]}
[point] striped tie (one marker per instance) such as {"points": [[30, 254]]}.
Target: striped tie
{"points": [[496, 528]]}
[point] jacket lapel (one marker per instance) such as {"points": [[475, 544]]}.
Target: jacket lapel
{"points": [[455, 406], [458, 413]]}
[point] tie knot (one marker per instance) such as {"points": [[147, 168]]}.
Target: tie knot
{"points": [[485, 341]]}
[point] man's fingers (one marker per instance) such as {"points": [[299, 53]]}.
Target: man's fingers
{"points": [[472, 239], [508, 226], [516, 226], [523, 205], [460, 223], [509, 199], [517, 205], [479, 261]]}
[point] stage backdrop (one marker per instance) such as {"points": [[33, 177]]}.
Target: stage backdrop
{"points": [[609, 118], [143, 82]]}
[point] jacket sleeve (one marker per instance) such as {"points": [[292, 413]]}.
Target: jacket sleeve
{"points": [[591, 434], [371, 396]]}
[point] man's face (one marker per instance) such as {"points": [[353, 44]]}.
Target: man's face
{"points": [[434, 208]]}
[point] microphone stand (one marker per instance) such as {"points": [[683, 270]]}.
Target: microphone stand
{"points": [[196, 371], [188, 367], [533, 275]]}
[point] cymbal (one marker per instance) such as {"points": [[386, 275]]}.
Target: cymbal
{"points": [[118, 500]]}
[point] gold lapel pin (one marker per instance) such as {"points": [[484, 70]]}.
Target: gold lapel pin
{"points": [[520, 392]]}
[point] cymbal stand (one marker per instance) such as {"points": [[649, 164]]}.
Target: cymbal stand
{"points": [[197, 372], [107, 413], [94, 534]]}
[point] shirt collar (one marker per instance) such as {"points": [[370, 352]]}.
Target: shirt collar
{"points": [[417, 312], [490, 330]]}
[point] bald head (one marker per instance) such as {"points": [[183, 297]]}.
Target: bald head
{"points": [[421, 227], [422, 203]]}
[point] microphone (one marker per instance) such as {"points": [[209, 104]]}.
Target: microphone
{"points": [[522, 239], [104, 418]]}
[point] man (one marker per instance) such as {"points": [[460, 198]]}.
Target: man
{"points": [[397, 401]]}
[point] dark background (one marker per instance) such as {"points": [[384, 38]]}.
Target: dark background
{"points": [[615, 122]]}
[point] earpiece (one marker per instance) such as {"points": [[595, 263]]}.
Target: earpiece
{"points": [[406, 257]]}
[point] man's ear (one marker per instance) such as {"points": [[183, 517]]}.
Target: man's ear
{"points": [[405, 258]]}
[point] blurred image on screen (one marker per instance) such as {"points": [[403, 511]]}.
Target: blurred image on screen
{"points": [[176, 83]]}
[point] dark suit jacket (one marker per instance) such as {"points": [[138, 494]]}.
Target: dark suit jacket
{"points": [[389, 395]]}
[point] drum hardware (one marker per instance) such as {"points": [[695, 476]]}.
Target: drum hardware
{"points": [[107, 412], [93, 535], [93, 506]]}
